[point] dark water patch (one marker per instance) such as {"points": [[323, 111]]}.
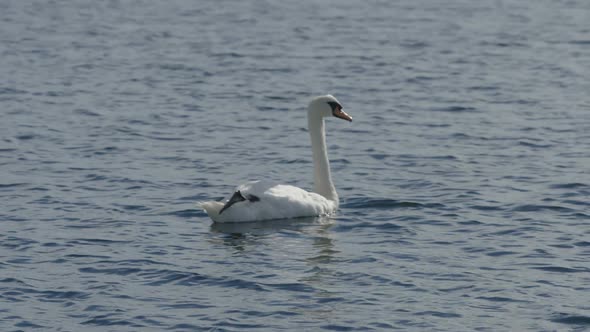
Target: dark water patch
{"points": [[384, 203], [53, 295], [163, 277], [579, 203], [190, 327], [232, 323], [499, 299], [29, 325], [540, 208], [25, 137], [175, 67], [12, 185], [584, 42], [164, 138], [240, 284], [571, 185], [487, 207], [121, 271], [13, 281], [382, 326], [105, 320], [187, 305], [65, 295], [433, 222], [85, 256], [570, 319], [582, 244], [439, 314], [38, 189], [86, 112], [336, 327], [484, 88], [11, 91], [17, 243], [292, 287], [92, 242], [534, 145], [456, 109], [501, 253], [132, 262], [470, 223], [95, 177], [99, 223], [295, 161], [379, 226], [560, 269], [130, 207], [379, 156]]}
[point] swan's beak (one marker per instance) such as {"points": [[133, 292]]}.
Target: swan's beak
{"points": [[339, 113]]}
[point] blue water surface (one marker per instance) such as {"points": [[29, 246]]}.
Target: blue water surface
{"points": [[464, 178]]}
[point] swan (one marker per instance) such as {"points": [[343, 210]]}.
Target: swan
{"points": [[264, 200]]}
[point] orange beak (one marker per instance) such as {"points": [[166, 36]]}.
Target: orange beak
{"points": [[339, 113]]}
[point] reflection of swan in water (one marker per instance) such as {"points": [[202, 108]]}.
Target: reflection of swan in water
{"points": [[309, 243], [262, 200], [271, 226]]}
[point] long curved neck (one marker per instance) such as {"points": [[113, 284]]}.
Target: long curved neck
{"points": [[321, 165]]}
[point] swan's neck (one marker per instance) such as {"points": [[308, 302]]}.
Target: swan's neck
{"points": [[321, 165]]}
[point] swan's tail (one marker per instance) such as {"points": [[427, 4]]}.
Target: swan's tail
{"points": [[212, 208]]}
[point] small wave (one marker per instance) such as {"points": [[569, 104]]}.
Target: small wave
{"points": [[456, 109], [13, 281], [188, 305], [501, 253], [538, 208], [560, 269], [122, 271], [383, 203], [380, 226], [104, 320], [486, 208], [438, 314], [132, 207], [498, 299], [580, 42], [533, 145], [336, 327], [572, 185], [96, 241], [83, 111], [571, 319], [163, 277], [12, 185]]}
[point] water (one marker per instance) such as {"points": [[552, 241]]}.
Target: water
{"points": [[464, 177]]}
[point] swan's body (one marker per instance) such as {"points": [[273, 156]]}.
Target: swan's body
{"points": [[276, 201], [262, 200]]}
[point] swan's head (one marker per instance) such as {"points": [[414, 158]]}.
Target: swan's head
{"points": [[326, 106]]}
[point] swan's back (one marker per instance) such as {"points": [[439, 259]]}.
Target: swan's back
{"points": [[272, 201]]}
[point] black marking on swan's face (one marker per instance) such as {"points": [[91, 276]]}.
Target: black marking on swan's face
{"points": [[335, 107], [238, 197], [338, 112]]}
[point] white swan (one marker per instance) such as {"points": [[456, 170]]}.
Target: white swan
{"points": [[263, 200]]}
